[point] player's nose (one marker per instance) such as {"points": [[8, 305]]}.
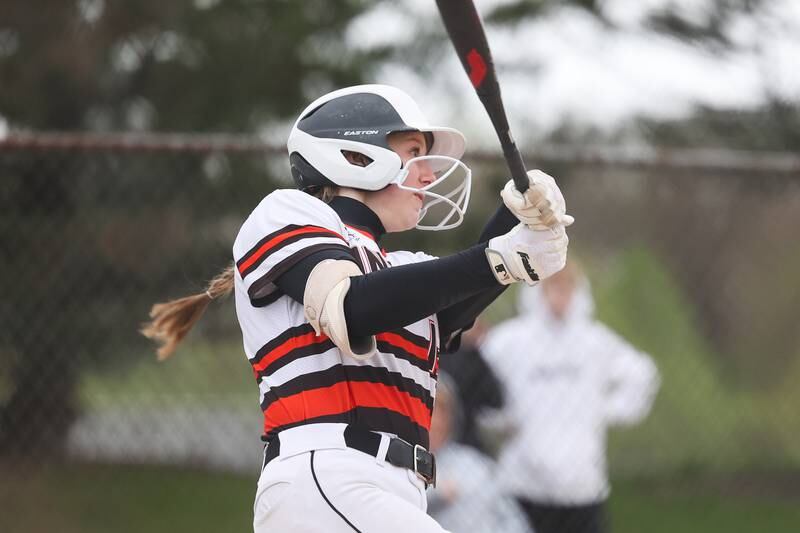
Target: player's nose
{"points": [[426, 174]]}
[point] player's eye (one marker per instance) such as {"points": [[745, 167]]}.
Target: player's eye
{"points": [[416, 149]]}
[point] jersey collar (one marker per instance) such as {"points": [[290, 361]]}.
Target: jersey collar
{"points": [[358, 217]]}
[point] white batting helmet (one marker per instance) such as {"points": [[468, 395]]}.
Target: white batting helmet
{"points": [[359, 119]]}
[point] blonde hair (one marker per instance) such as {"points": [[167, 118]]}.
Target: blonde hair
{"points": [[171, 321], [326, 193]]}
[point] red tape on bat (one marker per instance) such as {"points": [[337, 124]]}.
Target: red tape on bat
{"points": [[477, 68]]}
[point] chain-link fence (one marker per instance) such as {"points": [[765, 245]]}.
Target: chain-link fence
{"points": [[692, 257]]}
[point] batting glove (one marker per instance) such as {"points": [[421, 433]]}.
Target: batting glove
{"points": [[525, 254], [542, 206]]}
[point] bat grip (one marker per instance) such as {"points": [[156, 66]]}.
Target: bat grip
{"points": [[514, 160]]}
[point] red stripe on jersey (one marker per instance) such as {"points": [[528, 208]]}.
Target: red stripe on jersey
{"points": [[396, 340], [293, 343], [343, 397], [279, 239]]}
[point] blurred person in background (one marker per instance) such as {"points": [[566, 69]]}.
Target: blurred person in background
{"points": [[475, 383], [467, 496], [568, 378]]}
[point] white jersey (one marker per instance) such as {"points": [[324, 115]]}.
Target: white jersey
{"points": [[303, 378]]}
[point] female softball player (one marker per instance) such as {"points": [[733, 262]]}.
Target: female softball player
{"points": [[344, 337]]}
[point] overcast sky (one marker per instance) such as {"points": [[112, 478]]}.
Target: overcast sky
{"points": [[595, 76]]}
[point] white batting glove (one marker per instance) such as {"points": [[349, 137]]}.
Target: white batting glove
{"points": [[525, 254], [542, 206]]}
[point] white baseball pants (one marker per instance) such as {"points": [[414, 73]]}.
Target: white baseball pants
{"points": [[318, 484]]}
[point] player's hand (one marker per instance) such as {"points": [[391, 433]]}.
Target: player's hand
{"points": [[542, 206], [525, 254]]}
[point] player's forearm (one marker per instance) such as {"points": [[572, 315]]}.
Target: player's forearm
{"points": [[395, 297]]}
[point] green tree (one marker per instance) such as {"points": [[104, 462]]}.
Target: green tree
{"points": [[87, 239]]}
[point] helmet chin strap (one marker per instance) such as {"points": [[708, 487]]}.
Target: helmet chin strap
{"points": [[457, 199]]}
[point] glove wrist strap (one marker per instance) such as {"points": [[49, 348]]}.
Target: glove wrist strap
{"points": [[499, 268]]}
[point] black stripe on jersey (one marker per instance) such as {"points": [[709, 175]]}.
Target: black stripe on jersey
{"points": [[292, 355], [317, 232], [371, 418], [266, 283], [264, 301], [340, 373], [378, 419], [287, 334], [413, 338], [400, 353], [376, 262], [257, 247], [357, 258]]}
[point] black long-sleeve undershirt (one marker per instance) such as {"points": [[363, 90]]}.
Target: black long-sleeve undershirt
{"points": [[462, 315], [395, 297], [456, 287]]}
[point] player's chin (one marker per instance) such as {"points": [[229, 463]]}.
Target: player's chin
{"points": [[402, 221], [411, 223], [411, 219]]}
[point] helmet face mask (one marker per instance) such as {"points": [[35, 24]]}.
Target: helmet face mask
{"points": [[360, 119], [445, 199]]}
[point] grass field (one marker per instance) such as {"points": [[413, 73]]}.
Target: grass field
{"points": [[124, 499], [128, 499]]}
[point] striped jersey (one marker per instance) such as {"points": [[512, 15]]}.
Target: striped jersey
{"points": [[302, 377]]}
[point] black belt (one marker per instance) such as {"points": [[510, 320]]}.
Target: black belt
{"points": [[400, 453]]}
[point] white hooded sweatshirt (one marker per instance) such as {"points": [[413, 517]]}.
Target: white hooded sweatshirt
{"points": [[566, 382]]}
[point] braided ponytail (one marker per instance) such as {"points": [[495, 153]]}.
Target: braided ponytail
{"points": [[171, 321]]}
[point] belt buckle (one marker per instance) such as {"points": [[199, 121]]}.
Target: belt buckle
{"points": [[428, 479]]}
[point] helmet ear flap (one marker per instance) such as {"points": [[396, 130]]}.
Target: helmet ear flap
{"points": [[304, 174]]}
